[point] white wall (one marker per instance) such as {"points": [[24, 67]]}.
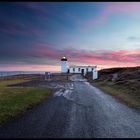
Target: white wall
{"points": [[76, 70], [64, 66], [95, 74], [89, 69]]}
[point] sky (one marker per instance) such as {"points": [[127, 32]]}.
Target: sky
{"points": [[36, 35]]}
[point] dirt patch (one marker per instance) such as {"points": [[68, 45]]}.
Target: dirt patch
{"points": [[56, 81]]}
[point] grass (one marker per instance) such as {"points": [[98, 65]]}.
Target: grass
{"points": [[126, 87], [4, 83], [124, 95], [15, 101]]}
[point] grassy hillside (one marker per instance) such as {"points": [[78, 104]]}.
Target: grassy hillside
{"points": [[123, 83]]}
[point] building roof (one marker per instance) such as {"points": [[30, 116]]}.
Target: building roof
{"points": [[82, 66]]}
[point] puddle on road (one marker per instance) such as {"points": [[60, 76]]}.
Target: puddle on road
{"points": [[65, 91]]}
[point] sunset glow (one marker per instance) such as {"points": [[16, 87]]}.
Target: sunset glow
{"points": [[36, 35]]}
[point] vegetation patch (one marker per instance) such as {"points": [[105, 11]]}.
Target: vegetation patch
{"points": [[16, 100], [124, 95], [125, 86]]}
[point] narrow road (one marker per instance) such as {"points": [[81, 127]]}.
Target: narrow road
{"points": [[76, 110]]}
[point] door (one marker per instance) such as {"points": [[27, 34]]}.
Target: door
{"points": [[82, 71]]}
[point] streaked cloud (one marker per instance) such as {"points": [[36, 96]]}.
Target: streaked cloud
{"points": [[47, 53], [36, 34], [116, 7]]}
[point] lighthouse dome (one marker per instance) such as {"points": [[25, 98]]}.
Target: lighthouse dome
{"points": [[63, 58]]}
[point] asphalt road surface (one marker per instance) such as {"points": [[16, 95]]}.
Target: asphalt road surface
{"points": [[76, 110]]}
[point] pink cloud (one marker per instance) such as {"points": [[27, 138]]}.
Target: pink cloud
{"points": [[119, 57], [113, 57], [42, 50], [129, 8]]}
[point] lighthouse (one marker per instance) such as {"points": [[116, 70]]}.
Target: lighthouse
{"points": [[64, 65]]}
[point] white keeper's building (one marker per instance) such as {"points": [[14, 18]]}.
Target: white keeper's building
{"points": [[65, 68]]}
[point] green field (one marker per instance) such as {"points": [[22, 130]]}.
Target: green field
{"points": [[16, 100]]}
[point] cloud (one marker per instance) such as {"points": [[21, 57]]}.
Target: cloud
{"points": [[119, 7], [25, 35], [129, 8], [42, 54], [18, 28], [109, 57], [133, 38]]}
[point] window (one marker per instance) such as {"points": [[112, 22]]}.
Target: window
{"points": [[73, 69], [87, 69], [79, 69], [92, 69]]}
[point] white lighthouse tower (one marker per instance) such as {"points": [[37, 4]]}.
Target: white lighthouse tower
{"points": [[64, 65]]}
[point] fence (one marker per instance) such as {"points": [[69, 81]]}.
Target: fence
{"points": [[57, 76]]}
